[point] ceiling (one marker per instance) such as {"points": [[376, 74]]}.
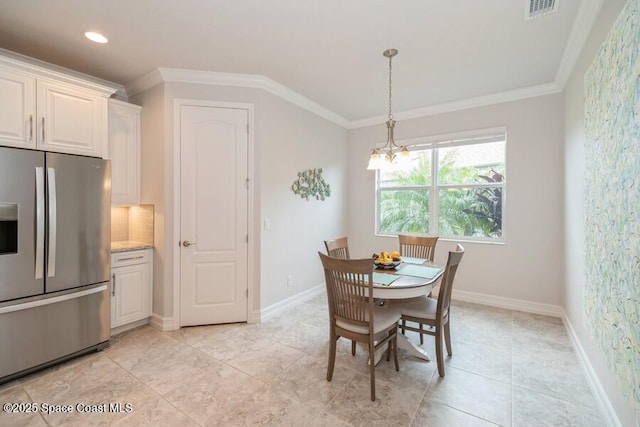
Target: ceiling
{"points": [[329, 51]]}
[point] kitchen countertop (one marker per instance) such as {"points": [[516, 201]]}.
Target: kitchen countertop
{"points": [[128, 245]]}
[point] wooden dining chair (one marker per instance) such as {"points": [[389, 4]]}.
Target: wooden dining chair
{"points": [[417, 246], [353, 314], [435, 313], [338, 248]]}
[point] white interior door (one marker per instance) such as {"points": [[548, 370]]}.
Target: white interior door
{"points": [[214, 215]]}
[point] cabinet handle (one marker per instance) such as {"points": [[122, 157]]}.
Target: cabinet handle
{"points": [[113, 287], [130, 258], [43, 129], [31, 128]]}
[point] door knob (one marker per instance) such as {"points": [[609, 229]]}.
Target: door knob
{"points": [[187, 243]]}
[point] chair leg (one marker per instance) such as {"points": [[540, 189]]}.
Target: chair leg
{"points": [[372, 369], [353, 348], [421, 334], [439, 357], [404, 323], [447, 337], [389, 351], [395, 352], [332, 356]]}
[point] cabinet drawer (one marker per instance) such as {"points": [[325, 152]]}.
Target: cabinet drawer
{"points": [[121, 259]]}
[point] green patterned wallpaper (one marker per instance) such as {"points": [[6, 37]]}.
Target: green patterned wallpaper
{"points": [[612, 200]]}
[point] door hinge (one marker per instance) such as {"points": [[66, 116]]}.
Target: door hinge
{"points": [[247, 127], [247, 238], [246, 181], [247, 293]]}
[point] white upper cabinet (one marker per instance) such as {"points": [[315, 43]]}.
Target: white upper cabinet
{"points": [[48, 110], [70, 120], [124, 152], [17, 108]]}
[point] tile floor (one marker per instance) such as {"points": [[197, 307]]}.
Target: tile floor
{"points": [[509, 369]]}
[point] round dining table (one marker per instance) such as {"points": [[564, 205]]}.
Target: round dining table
{"points": [[405, 287]]}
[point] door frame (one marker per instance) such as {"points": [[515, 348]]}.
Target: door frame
{"points": [[178, 103]]}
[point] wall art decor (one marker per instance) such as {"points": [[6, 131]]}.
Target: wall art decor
{"points": [[612, 201], [310, 184]]}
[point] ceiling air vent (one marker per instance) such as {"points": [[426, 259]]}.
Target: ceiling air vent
{"points": [[537, 8]]}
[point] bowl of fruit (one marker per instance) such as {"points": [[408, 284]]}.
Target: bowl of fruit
{"points": [[386, 260]]}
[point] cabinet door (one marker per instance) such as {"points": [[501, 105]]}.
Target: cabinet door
{"points": [[17, 108], [70, 119], [130, 294], [124, 152]]}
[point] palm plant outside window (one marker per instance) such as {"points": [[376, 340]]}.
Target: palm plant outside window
{"points": [[453, 188]]}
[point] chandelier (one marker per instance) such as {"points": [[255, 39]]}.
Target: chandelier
{"points": [[391, 153]]}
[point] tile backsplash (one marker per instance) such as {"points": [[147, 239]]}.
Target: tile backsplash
{"points": [[119, 224], [141, 224], [132, 223]]}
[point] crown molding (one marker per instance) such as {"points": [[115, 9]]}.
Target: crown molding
{"points": [[143, 83], [47, 69], [480, 101], [162, 75], [587, 14], [256, 81]]}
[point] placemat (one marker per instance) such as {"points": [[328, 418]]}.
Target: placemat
{"points": [[384, 279], [420, 271], [412, 260]]}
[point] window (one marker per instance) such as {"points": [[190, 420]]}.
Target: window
{"points": [[452, 188]]}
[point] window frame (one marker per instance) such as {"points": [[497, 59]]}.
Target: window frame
{"points": [[459, 139]]}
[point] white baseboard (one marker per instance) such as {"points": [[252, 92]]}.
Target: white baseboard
{"points": [[254, 317], [604, 404], [508, 303], [120, 329], [163, 323], [274, 309]]}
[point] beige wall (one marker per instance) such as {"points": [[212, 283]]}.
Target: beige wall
{"points": [[573, 296], [153, 168], [529, 266], [293, 140], [287, 139]]}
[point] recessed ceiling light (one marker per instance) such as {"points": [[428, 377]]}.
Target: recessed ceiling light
{"points": [[96, 37]]}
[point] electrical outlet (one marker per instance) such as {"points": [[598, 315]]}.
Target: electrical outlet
{"points": [[289, 280]]}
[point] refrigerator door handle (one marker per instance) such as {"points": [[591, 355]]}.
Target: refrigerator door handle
{"points": [[52, 300], [39, 222], [51, 182]]}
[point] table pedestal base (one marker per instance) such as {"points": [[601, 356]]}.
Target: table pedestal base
{"points": [[405, 344], [414, 350]]}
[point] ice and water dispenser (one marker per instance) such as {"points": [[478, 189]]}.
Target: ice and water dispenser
{"points": [[8, 228]]}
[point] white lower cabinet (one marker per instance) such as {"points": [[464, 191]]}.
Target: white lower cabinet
{"points": [[131, 286]]}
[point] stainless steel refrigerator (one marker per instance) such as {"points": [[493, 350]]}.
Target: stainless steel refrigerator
{"points": [[54, 258]]}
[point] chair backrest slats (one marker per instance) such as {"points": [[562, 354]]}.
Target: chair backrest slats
{"points": [[417, 246], [349, 283], [338, 248], [446, 285]]}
